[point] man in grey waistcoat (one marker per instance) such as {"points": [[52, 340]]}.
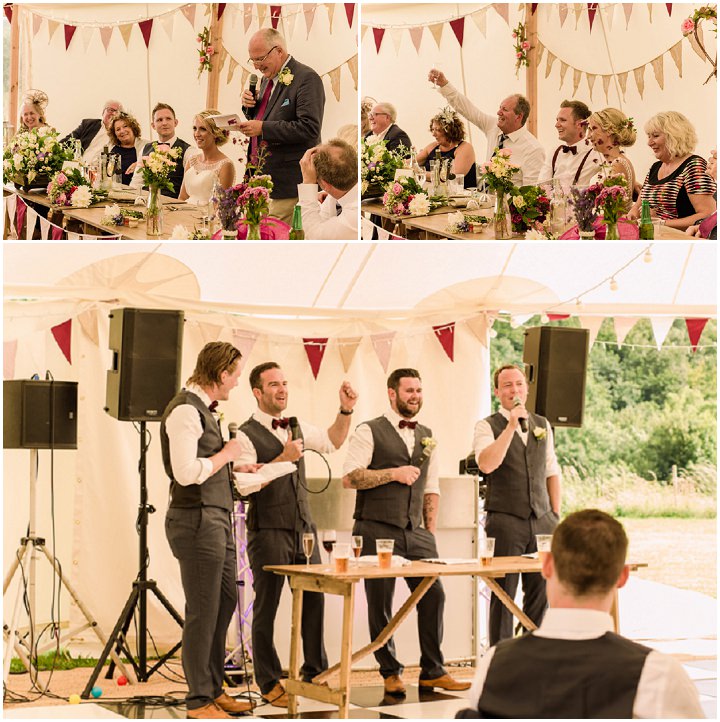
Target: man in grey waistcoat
{"points": [[392, 467], [523, 491], [198, 525], [277, 518]]}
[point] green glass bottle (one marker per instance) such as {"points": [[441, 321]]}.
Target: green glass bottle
{"points": [[296, 232], [647, 230]]}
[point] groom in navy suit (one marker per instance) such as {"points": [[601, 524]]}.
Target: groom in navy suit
{"points": [[286, 114]]}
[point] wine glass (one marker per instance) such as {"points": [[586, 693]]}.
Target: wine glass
{"points": [[329, 539], [356, 544], [308, 546]]}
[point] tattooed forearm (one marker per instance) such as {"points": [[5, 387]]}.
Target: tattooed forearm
{"points": [[369, 478], [431, 502]]}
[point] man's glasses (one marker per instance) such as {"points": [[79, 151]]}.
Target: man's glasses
{"points": [[375, 115], [256, 61]]}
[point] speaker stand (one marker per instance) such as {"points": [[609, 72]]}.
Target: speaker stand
{"points": [[137, 599], [26, 558]]}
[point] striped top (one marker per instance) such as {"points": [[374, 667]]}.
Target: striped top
{"points": [[669, 197]]}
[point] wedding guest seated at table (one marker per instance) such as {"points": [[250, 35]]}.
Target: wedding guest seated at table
{"points": [[382, 119], [574, 666], [124, 134], [32, 112], [707, 228], [92, 132], [333, 167], [211, 165], [449, 133], [505, 129], [609, 131], [679, 191], [366, 105]]}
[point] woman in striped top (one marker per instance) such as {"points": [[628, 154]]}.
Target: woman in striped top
{"points": [[677, 188]]}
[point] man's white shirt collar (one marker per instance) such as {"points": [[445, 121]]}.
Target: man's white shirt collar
{"points": [[200, 393], [570, 623]]}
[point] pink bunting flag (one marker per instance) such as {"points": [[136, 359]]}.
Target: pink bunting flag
{"points": [[36, 23], [315, 350], [378, 35], [69, 32], [57, 233], [592, 9], [8, 12], [9, 354], [416, 37], [20, 215], [221, 9], [446, 335], [350, 13], [695, 328], [458, 27], [105, 35], [669, 8], [62, 333], [146, 29], [275, 11], [558, 316]]}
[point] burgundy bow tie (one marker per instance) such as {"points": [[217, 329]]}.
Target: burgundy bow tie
{"points": [[569, 149], [407, 424], [213, 405], [283, 423]]}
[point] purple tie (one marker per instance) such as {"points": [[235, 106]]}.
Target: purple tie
{"points": [[259, 116]]}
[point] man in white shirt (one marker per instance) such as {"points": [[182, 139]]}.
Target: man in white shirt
{"points": [[574, 162], [333, 167], [392, 466], [574, 666], [506, 130], [93, 132]]}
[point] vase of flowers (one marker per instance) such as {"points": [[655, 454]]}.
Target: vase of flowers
{"points": [[154, 215], [498, 174], [228, 211], [33, 157], [378, 165], [253, 204], [501, 217], [155, 168], [583, 203], [71, 188], [529, 207], [612, 200]]}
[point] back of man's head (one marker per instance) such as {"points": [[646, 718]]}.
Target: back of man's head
{"points": [[588, 551], [336, 164]]}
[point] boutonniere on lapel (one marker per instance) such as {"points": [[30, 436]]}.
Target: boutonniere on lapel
{"points": [[285, 77], [428, 444], [219, 417], [540, 433]]}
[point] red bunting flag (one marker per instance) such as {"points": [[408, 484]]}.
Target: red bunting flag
{"points": [[8, 12], [446, 335], [458, 27], [69, 32], [315, 350], [592, 9], [350, 12], [57, 233], [62, 333], [20, 214], [221, 9], [275, 11], [669, 8], [558, 316], [378, 35], [146, 29], [533, 7], [695, 328]]}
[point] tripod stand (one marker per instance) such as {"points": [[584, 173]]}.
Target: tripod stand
{"points": [[26, 558], [137, 599]]}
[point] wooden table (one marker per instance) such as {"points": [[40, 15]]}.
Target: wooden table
{"points": [[391, 221], [318, 578]]}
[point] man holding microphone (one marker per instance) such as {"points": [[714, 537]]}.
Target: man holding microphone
{"points": [[515, 451]]}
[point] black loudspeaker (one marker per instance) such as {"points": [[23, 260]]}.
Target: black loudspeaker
{"points": [[145, 373], [555, 361], [40, 414]]}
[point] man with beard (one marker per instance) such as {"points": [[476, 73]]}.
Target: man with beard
{"points": [[392, 467], [278, 517]]}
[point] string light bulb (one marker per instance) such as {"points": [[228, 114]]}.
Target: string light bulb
{"points": [[648, 256], [613, 284], [578, 302], [544, 318], [492, 333]]}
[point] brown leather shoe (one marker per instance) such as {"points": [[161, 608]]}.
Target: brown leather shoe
{"points": [[394, 685], [277, 696], [208, 711], [445, 682], [231, 705]]}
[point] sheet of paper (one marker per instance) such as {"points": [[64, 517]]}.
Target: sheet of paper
{"points": [[249, 483], [227, 122]]}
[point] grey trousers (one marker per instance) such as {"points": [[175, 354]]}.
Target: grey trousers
{"points": [[411, 544], [201, 540], [281, 546], [515, 536]]}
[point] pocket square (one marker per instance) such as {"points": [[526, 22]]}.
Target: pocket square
{"points": [[285, 102]]}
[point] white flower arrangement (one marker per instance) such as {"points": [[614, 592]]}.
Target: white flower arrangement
{"points": [[112, 216], [82, 197], [419, 205], [457, 223], [179, 233], [285, 76], [540, 433]]}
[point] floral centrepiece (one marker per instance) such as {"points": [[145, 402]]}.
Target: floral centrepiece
{"points": [[612, 199], [583, 202], [116, 216], [253, 202], [457, 223], [155, 168], [34, 153], [71, 188], [206, 51], [378, 164], [405, 197], [499, 170], [522, 47], [529, 207]]}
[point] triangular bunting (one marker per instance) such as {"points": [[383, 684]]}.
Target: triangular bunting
{"points": [[694, 43], [502, 10], [32, 217], [382, 343], [661, 326], [315, 350], [20, 217], [36, 23], [676, 55], [378, 36], [579, 8], [89, 324], [416, 37], [446, 335], [592, 9], [53, 25], [563, 12], [353, 67], [397, 34], [290, 24], [221, 10], [480, 327], [628, 8], [669, 8], [563, 70], [275, 12], [657, 66], [309, 13], [105, 35], [591, 77], [606, 86], [7, 9], [57, 233], [640, 79], [347, 348], [480, 18], [209, 332], [9, 354], [11, 207], [86, 35], [335, 82], [609, 10], [622, 80], [539, 50], [44, 228], [458, 27], [167, 21], [363, 32], [349, 13], [62, 334], [436, 31], [558, 316], [146, 30], [247, 16], [244, 342], [623, 326], [414, 344], [592, 324], [69, 32], [262, 14], [73, 236], [550, 60], [650, 10], [231, 71], [331, 14], [189, 12], [695, 328], [125, 31], [533, 7]]}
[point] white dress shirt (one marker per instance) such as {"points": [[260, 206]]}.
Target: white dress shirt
{"points": [[321, 221], [664, 690], [101, 139], [362, 446], [484, 436], [526, 149], [567, 164]]}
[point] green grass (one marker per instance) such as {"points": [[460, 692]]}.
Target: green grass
{"points": [[54, 660]]}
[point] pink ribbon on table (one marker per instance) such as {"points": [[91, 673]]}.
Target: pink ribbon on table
{"points": [[628, 231]]}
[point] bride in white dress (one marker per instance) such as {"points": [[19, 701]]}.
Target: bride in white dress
{"points": [[210, 165]]}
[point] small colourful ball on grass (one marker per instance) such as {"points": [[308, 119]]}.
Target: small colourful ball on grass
{"points": [[122, 680], [96, 692], [74, 699]]}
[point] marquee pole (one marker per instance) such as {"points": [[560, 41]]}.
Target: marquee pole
{"points": [[531, 87], [14, 66], [213, 86]]}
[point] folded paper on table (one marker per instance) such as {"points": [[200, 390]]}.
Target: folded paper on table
{"points": [[248, 483], [449, 560], [227, 122]]}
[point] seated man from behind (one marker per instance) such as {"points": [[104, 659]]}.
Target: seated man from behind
{"points": [[333, 167], [574, 666]]}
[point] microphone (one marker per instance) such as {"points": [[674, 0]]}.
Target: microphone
{"points": [[523, 422], [294, 428], [253, 85], [232, 429]]}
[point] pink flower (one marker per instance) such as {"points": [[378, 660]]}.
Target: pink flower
{"points": [[514, 35], [505, 152], [61, 179], [210, 50], [62, 199], [397, 188], [526, 45], [163, 147], [199, 38], [398, 209], [204, 58], [518, 55], [687, 26]]}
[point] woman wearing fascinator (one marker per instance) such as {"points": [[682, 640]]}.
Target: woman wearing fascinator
{"points": [[32, 112]]}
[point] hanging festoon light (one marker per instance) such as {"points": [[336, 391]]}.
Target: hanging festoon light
{"points": [[613, 284], [544, 318], [648, 256]]}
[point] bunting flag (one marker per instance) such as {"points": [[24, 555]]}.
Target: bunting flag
{"points": [[563, 12], [335, 82], [378, 36], [244, 342], [189, 12], [640, 79], [436, 31], [350, 13], [125, 31], [105, 35], [628, 8], [8, 12], [36, 22], [9, 355], [309, 13], [458, 27], [146, 29], [416, 37], [353, 67], [32, 217], [53, 25], [396, 35], [480, 327], [558, 316], [446, 335], [167, 22], [89, 324], [11, 207], [502, 11], [69, 32], [695, 328], [533, 7], [331, 14], [657, 66], [62, 334], [57, 233], [676, 54], [669, 8], [275, 11], [247, 16], [623, 326], [20, 215], [661, 327], [315, 350], [480, 19], [209, 332], [44, 228], [383, 342], [592, 324], [262, 12], [221, 10], [347, 348], [592, 9]]}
